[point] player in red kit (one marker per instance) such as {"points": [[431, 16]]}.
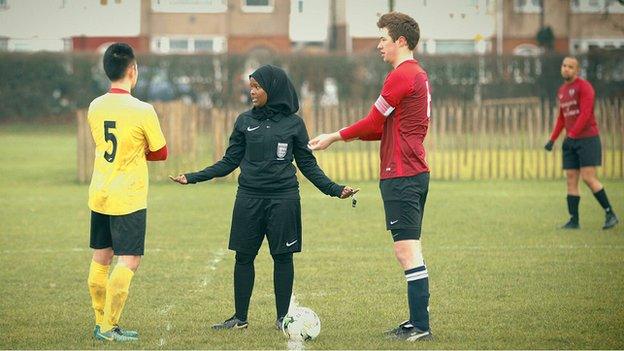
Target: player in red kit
{"points": [[581, 147], [400, 118]]}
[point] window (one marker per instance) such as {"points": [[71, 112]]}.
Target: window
{"points": [[584, 45], [188, 45], [192, 6], [454, 46], [4, 4], [22, 45], [587, 6], [68, 44], [527, 6], [527, 50], [204, 45], [178, 45], [257, 5], [256, 2], [4, 44], [428, 46], [300, 6], [596, 6]]}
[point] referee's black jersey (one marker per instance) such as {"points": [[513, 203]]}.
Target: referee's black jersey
{"points": [[264, 149]]}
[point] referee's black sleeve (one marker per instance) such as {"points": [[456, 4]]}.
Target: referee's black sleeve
{"points": [[230, 161], [308, 165]]}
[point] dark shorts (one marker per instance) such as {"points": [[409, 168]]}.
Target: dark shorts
{"points": [[404, 203], [278, 219], [125, 234], [586, 152]]}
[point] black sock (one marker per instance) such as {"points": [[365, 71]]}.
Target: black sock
{"points": [[418, 296], [283, 277], [244, 275], [573, 205], [601, 196]]}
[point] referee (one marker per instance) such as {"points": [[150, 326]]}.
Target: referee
{"points": [[581, 147], [264, 142]]}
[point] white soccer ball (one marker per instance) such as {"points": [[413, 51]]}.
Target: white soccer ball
{"points": [[301, 323]]}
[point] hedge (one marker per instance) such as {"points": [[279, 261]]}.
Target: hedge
{"points": [[50, 84]]}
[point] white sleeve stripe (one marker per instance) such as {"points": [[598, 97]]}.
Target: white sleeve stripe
{"points": [[383, 106]]}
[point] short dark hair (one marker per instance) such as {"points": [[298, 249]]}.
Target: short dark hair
{"points": [[117, 58], [401, 25], [578, 63]]}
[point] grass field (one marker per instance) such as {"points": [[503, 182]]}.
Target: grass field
{"points": [[502, 276]]}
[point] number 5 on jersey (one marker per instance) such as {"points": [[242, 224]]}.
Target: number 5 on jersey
{"points": [[108, 136]]}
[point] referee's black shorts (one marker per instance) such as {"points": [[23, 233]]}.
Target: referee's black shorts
{"points": [[278, 219], [585, 152], [125, 234], [404, 203]]}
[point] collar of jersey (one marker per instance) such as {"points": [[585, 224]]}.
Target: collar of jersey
{"points": [[413, 60], [118, 91]]}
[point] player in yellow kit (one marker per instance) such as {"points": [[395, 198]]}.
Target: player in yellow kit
{"points": [[126, 134]]}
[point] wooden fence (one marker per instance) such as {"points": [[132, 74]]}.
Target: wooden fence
{"points": [[497, 139]]}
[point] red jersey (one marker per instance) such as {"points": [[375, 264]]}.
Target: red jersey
{"points": [[400, 118], [576, 110]]}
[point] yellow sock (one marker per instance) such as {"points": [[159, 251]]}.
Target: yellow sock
{"points": [[116, 295], [97, 281]]}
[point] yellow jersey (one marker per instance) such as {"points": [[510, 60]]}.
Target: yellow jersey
{"points": [[123, 128]]}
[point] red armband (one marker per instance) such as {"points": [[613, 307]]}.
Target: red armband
{"points": [[158, 155]]}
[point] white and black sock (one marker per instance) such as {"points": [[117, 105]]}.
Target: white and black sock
{"points": [[418, 296], [603, 200]]}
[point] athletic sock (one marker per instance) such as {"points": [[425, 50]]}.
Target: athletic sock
{"points": [[283, 277], [97, 281], [116, 295], [601, 196], [573, 205], [418, 296], [244, 275]]}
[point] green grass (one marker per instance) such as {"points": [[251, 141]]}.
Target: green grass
{"points": [[502, 276]]}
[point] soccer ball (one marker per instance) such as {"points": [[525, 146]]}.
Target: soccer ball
{"points": [[301, 323]]}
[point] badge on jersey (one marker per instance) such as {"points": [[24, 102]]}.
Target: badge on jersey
{"points": [[281, 150], [571, 92]]}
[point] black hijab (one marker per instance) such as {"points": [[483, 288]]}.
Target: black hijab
{"points": [[282, 99]]}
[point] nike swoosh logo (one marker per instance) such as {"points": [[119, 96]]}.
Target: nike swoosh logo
{"points": [[291, 244], [417, 336], [392, 222], [249, 129]]}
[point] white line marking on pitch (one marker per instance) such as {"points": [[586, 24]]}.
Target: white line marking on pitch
{"points": [[211, 266]]}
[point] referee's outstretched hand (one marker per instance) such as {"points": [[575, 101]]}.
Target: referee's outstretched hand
{"points": [[180, 178], [549, 145], [348, 191]]}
